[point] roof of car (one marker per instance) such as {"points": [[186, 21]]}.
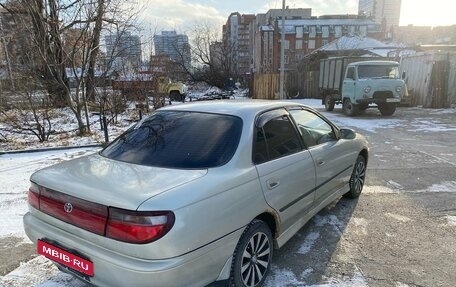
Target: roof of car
{"points": [[231, 107]]}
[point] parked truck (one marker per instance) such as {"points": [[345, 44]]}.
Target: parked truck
{"points": [[157, 86], [357, 82]]}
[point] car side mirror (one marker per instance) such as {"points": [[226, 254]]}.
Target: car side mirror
{"points": [[404, 74], [347, 134]]}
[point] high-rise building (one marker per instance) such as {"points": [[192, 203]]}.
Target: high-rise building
{"points": [[173, 45], [236, 37], [385, 12], [124, 46]]}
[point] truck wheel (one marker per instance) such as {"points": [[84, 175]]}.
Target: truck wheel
{"points": [[175, 96], [387, 109], [329, 103], [350, 109]]}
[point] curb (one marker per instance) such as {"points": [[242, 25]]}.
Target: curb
{"points": [[49, 149]]}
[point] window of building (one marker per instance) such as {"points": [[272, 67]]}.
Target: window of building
{"points": [[338, 31], [325, 31], [286, 44], [298, 44], [299, 32], [312, 32], [311, 44]]}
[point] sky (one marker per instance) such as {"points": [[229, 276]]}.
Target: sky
{"points": [[181, 15]]}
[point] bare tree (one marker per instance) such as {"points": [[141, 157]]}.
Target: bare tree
{"points": [[27, 111], [212, 59], [56, 57]]}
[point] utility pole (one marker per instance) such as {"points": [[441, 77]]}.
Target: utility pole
{"points": [[282, 52]]}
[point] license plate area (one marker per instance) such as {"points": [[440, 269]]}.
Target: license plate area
{"points": [[392, 100], [67, 259]]}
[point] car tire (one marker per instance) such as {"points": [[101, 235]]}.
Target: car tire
{"points": [[252, 256], [357, 178], [329, 103], [387, 109], [350, 109]]}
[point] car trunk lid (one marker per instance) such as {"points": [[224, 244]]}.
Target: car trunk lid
{"points": [[109, 183]]}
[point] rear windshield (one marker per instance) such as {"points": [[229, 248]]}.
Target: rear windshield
{"points": [[175, 139]]}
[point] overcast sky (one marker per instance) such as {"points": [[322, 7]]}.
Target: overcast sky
{"points": [[182, 14]]}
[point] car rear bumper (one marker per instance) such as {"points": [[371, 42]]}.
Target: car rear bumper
{"points": [[196, 268]]}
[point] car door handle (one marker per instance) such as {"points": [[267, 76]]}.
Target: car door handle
{"points": [[321, 162], [272, 184]]}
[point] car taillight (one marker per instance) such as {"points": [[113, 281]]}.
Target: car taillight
{"points": [[137, 226], [34, 195]]}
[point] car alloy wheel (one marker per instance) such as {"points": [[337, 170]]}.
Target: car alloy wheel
{"points": [[357, 178], [252, 257]]}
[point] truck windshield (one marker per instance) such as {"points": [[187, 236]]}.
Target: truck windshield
{"points": [[378, 71]]}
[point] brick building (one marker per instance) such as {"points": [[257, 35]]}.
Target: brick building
{"points": [[236, 35], [302, 36]]}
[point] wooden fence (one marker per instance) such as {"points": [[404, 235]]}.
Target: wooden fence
{"points": [[297, 85], [431, 79]]}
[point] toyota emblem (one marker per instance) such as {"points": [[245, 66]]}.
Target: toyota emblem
{"points": [[68, 207]]}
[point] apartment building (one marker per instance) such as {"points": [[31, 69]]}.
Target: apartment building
{"points": [[236, 38], [124, 47], [175, 46], [385, 12]]}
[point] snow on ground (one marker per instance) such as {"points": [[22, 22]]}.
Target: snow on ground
{"points": [[15, 171], [367, 124], [39, 272], [285, 277], [430, 125], [309, 242]]}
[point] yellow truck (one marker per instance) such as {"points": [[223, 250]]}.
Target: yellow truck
{"points": [[158, 87]]}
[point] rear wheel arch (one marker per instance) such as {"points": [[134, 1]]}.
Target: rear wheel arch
{"points": [[364, 154], [271, 221]]}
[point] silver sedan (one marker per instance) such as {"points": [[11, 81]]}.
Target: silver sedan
{"points": [[195, 194]]}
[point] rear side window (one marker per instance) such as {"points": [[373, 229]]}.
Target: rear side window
{"points": [[277, 138], [178, 140]]}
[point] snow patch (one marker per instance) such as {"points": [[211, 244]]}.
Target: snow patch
{"points": [[282, 277], [426, 125], [309, 242], [307, 272], [15, 171], [286, 277], [398, 217], [448, 186], [357, 280], [377, 189], [394, 184], [361, 225], [330, 220], [451, 220]]}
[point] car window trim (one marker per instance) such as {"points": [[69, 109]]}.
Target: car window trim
{"points": [[267, 115], [335, 129]]}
